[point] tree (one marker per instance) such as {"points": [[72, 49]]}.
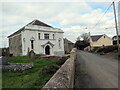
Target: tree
{"points": [[81, 44], [78, 38], [85, 36]]}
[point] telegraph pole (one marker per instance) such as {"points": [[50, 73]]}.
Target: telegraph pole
{"points": [[116, 26]]}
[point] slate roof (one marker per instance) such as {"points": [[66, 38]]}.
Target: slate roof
{"points": [[116, 37], [34, 22], [96, 37], [66, 41], [39, 23]]}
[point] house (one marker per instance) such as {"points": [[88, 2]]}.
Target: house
{"points": [[68, 45], [39, 37], [115, 39], [100, 40]]}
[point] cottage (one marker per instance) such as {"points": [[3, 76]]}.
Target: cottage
{"points": [[68, 45], [39, 37], [115, 39], [100, 40]]}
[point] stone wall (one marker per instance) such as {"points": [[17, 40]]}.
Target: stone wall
{"points": [[68, 47], [15, 45], [17, 67], [64, 77]]}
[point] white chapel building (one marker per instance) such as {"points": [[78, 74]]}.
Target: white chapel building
{"points": [[39, 37]]}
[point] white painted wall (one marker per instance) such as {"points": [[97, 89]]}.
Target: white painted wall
{"points": [[32, 31]]}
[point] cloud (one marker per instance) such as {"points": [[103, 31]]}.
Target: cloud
{"points": [[73, 15]]}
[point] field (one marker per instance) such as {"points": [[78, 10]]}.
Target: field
{"points": [[32, 78]]}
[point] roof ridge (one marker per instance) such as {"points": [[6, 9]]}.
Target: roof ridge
{"points": [[97, 35], [39, 23], [67, 41]]}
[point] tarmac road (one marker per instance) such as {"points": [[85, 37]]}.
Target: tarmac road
{"points": [[94, 71]]}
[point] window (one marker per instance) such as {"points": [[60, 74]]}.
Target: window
{"points": [[104, 36], [24, 39], [46, 36], [32, 44], [59, 41], [20, 48], [39, 36], [20, 37], [53, 36]]}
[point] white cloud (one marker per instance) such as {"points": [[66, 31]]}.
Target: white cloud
{"points": [[76, 16]]}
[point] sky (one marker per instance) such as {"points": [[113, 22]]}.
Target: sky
{"points": [[73, 17]]}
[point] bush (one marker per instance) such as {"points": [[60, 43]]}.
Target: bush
{"points": [[107, 49], [100, 49], [110, 49], [50, 69], [67, 52], [62, 60]]}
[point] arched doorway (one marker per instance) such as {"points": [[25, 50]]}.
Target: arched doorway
{"points": [[47, 50]]}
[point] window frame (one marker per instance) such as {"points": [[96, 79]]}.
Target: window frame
{"points": [[53, 36], [59, 42], [46, 36], [32, 44], [39, 34]]}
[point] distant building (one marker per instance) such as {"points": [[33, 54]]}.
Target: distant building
{"points": [[100, 40], [68, 45], [39, 37], [115, 40], [4, 51]]}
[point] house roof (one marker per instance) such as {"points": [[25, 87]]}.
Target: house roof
{"points": [[66, 41], [34, 22], [96, 37], [39, 23], [116, 36]]}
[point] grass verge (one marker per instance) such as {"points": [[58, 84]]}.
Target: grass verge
{"points": [[118, 58]]}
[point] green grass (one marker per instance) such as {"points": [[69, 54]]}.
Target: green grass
{"points": [[118, 58], [67, 52], [28, 79]]}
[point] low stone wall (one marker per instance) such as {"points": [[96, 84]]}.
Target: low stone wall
{"points": [[17, 67], [64, 77]]}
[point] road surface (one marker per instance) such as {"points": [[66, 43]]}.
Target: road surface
{"points": [[94, 71]]}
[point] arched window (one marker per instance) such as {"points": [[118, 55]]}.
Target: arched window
{"points": [[32, 44], [39, 36], [53, 36], [59, 41]]}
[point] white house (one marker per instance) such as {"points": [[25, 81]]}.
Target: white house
{"points": [[39, 37]]}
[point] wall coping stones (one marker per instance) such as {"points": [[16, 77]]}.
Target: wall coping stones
{"points": [[64, 77]]}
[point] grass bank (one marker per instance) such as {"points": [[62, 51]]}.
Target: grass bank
{"points": [[32, 78]]}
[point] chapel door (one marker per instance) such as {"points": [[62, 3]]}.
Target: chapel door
{"points": [[47, 50]]}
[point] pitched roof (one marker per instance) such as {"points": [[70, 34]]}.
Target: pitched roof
{"points": [[39, 23], [17, 32], [116, 36], [34, 22], [96, 37], [67, 41]]}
